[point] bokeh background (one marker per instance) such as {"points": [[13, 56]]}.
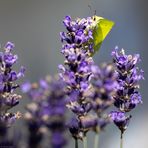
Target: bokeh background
{"points": [[34, 26]]}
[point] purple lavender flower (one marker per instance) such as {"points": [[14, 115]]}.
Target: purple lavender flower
{"points": [[47, 110], [88, 121], [74, 128], [129, 75], [79, 126], [77, 72], [9, 46], [8, 76], [34, 123], [120, 120], [104, 84], [57, 140], [7, 120], [78, 31], [103, 89]]}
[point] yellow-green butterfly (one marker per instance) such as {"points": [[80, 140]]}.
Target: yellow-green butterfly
{"points": [[101, 27]]}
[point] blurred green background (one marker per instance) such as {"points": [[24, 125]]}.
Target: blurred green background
{"points": [[34, 26]]}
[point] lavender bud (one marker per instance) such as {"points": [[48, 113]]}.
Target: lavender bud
{"points": [[120, 120]]}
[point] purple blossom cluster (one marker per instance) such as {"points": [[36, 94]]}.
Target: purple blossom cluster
{"points": [[33, 116], [46, 112], [104, 86], [76, 73], [128, 96], [8, 85], [78, 34]]}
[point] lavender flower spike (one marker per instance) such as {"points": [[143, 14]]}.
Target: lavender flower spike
{"points": [[104, 86], [77, 48], [47, 111], [8, 98], [128, 96]]}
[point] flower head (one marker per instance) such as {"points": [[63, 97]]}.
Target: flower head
{"points": [[47, 109], [8, 76], [78, 31], [77, 48], [120, 120], [78, 127], [127, 96], [104, 85], [129, 76], [103, 88]]}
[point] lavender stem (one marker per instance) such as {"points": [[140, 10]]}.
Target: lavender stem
{"points": [[121, 140], [96, 142], [85, 141], [76, 143]]}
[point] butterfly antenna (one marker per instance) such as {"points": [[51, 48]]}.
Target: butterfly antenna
{"points": [[95, 12], [89, 6]]}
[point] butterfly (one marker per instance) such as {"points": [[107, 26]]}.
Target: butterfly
{"points": [[101, 27]]}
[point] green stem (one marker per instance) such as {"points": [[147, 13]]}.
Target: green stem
{"points": [[76, 143], [121, 140], [96, 144], [85, 141]]}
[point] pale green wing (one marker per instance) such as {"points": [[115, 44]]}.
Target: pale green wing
{"points": [[100, 30]]}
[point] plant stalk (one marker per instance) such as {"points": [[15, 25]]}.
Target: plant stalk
{"points": [[121, 140], [76, 143], [96, 142], [85, 141]]}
